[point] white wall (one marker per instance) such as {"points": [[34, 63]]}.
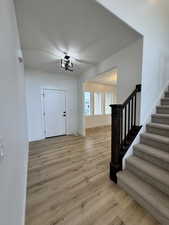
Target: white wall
{"points": [[99, 120], [13, 168], [35, 82], [128, 62], [92, 86], [151, 19]]}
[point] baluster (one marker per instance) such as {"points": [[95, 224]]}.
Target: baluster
{"points": [[135, 109], [129, 116], [125, 123], [132, 112], [121, 127]]}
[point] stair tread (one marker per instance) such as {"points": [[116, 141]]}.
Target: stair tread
{"points": [[153, 152], [159, 115], [147, 192], [165, 98], [156, 137], [161, 175], [163, 107], [158, 125]]}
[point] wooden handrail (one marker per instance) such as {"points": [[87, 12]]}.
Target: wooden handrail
{"points": [[124, 130], [138, 89]]}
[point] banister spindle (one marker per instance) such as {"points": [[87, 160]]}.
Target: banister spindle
{"points": [[135, 109], [132, 106], [121, 129], [125, 123], [128, 116]]}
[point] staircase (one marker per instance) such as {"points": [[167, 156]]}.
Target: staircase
{"points": [[124, 124], [146, 177]]}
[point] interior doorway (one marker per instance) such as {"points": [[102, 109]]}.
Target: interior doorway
{"points": [[99, 93], [54, 112]]}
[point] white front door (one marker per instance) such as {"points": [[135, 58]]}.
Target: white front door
{"points": [[54, 112]]}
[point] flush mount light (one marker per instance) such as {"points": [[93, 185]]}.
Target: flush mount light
{"points": [[66, 63]]}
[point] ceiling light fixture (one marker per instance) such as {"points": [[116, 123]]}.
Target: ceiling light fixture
{"points": [[66, 63]]}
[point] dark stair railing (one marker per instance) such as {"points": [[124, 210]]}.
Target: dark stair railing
{"points": [[124, 130]]}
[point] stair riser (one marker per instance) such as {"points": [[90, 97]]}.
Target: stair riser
{"points": [[156, 161], [160, 120], [164, 102], [163, 110], [147, 178], [154, 143], [158, 131], [160, 217]]}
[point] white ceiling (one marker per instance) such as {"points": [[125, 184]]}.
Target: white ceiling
{"points": [[83, 28]]}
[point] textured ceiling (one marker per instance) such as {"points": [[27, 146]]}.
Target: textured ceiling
{"points": [[83, 28]]}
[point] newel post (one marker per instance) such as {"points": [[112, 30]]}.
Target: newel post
{"points": [[116, 163], [138, 87]]}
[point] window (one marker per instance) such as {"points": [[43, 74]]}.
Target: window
{"points": [[87, 103], [108, 102], [97, 103]]}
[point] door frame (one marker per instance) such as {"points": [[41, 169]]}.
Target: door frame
{"points": [[42, 94]]}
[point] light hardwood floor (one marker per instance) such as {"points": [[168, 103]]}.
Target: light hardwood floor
{"points": [[68, 184]]}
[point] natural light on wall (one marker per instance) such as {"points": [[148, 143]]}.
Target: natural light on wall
{"points": [[112, 78], [153, 1], [109, 78]]}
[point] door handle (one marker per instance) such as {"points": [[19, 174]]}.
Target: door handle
{"points": [[64, 114]]}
